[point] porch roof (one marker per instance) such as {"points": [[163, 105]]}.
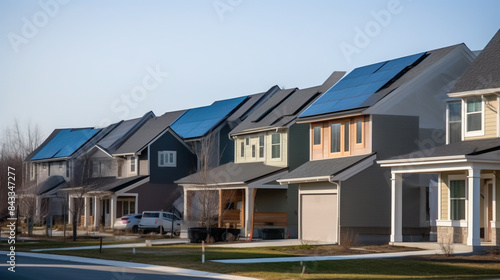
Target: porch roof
{"points": [[115, 184], [464, 150], [326, 169], [232, 173]]}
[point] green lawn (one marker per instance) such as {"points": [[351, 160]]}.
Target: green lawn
{"points": [[189, 256]]}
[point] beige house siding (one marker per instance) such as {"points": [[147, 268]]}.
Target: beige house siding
{"points": [[444, 196], [253, 140], [497, 186], [490, 119]]}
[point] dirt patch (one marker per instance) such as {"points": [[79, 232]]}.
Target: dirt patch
{"points": [[333, 250], [492, 256]]}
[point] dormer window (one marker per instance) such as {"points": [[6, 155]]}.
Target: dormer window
{"points": [[474, 116]]}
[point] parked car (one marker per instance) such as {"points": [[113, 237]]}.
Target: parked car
{"points": [[128, 222], [160, 221]]}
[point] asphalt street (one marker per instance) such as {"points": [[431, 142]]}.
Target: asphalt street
{"points": [[29, 268]]}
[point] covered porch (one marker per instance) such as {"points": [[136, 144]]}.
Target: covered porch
{"points": [[249, 200], [468, 191]]}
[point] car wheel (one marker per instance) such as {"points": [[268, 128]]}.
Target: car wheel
{"points": [[135, 229]]}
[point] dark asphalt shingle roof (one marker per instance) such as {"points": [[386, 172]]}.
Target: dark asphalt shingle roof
{"points": [[147, 132], [325, 167], [232, 173], [484, 73], [250, 105], [430, 59], [467, 148], [113, 184]]}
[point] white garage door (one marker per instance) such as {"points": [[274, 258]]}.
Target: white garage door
{"points": [[319, 217]]}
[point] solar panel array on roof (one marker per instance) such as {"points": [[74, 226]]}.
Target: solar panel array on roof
{"points": [[354, 89], [198, 121], [65, 143]]}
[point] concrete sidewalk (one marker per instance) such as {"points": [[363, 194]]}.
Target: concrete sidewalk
{"points": [[156, 268], [267, 243], [130, 245]]}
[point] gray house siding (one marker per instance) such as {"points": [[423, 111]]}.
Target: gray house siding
{"points": [[186, 160], [371, 188], [155, 197], [226, 146]]}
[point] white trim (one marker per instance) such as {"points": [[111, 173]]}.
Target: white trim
{"points": [[498, 116], [168, 129], [312, 119], [464, 117], [472, 93], [304, 180], [104, 151], [440, 185], [450, 223], [280, 146], [166, 156]]}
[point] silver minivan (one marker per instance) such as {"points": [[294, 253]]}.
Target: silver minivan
{"points": [[160, 221]]}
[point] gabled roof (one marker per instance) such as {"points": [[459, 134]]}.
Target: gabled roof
{"points": [[365, 86], [281, 109], [114, 184], [121, 131], [253, 102], [63, 143], [231, 173], [484, 73], [197, 122], [146, 133], [323, 170]]}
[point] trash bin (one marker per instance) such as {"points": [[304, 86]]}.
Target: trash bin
{"points": [[273, 233]]}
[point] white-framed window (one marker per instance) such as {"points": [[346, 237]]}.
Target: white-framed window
{"points": [[474, 116], [133, 165], [253, 151], [261, 146], [242, 149], [247, 141], [458, 199], [454, 119], [275, 145], [167, 158], [96, 168]]}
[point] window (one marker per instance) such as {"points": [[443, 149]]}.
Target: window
{"points": [[261, 146], [335, 138], [242, 149], [474, 115], [60, 165], [253, 151], [317, 135], [457, 199], [132, 165], [359, 132], [67, 169], [247, 141], [346, 136], [33, 171], [454, 122], [44, 166], [167, 158], [275, 145], [96, 168]]}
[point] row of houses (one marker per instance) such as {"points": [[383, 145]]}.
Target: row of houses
{"points": [[404, 149]]}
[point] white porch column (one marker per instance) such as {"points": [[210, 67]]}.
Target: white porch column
{"points": [[186, 208], [97, 211], [396, 207], [249, 203], [112, 217], [38, 205], [86, 215], [473, 214], [71, 208]]}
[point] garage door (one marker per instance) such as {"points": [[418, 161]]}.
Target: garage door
{"points": [[319, 217]]}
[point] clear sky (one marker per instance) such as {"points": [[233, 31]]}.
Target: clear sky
{"points": [[75, 63]]}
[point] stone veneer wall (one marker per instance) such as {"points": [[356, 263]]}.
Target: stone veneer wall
{"points": [[459, 234]]}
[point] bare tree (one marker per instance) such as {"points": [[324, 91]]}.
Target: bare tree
{"points": [[209, 201], [16, 143]]}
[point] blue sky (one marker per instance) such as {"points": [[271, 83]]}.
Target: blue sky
{"points": [[74, 63]]}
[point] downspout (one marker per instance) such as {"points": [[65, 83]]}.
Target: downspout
{"points": [[330, 180]]}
